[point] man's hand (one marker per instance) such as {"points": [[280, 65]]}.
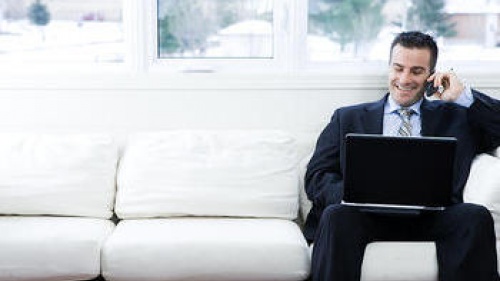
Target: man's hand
{"points": [[449, 84]]}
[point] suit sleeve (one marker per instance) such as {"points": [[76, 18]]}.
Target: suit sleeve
{"points": [[323, 179], [484, 114]]}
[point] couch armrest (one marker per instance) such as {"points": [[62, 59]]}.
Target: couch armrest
{"points": [[483, 185]]}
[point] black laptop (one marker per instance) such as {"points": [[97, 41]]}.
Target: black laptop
{"points": [[398, 174]]}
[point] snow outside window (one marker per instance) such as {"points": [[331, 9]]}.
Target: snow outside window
{"points": [[48, 32], [362, 30]]}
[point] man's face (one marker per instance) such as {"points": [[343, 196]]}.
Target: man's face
{"points": [[408, 71]]}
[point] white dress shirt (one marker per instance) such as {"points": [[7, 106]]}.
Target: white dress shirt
{"points": [[392, 120]]}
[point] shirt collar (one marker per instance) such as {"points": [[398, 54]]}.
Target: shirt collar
{"points": [[392, 106]]}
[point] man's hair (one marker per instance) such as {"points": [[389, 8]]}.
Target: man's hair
{"points": [[419, 40]]}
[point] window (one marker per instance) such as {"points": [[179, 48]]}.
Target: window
{"points": [[215, 29], [239, 35], [318, 34], [69, 32], [217, 35], [363, 30]]}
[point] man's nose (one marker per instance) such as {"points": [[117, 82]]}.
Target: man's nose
{"points": [[405, 77]]}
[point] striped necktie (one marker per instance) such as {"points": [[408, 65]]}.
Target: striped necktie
{"points": [[405, 114]]}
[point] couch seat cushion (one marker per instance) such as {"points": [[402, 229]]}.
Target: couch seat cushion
{"points": [[395, 261], [51, 248], [206, 249]]}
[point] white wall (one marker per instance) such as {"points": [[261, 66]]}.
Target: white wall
{"points": [[122, 104]]}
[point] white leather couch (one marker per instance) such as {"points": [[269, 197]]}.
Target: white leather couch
{"points": [[189, 205], [198, 205]]}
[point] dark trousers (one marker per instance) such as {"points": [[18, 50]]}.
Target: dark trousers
{"points": [[464, 235]]}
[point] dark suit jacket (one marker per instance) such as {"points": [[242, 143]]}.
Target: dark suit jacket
{"points": [[476, 128]]}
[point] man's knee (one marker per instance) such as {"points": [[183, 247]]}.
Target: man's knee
{"points": [[346, 216], [474, 211], [473, 214], [343, 224], [337, 212]]}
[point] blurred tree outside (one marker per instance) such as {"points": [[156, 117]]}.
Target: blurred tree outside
{"points": [[428, 16], [10, 10], [167, 40], [39, 15], [356, 22], [186, 25]]}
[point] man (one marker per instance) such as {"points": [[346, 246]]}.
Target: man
{"points": [[463, 233]]}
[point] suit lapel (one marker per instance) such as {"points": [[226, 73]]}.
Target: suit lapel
{"points": [[373, 117], [429, 116]]}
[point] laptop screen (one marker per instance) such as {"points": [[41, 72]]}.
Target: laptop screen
{"points": [[415, 171]]}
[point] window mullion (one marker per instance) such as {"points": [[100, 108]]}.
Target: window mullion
{"points": [[138, 20], [299, 35]]}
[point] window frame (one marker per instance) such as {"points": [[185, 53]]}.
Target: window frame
{"points": [[290, 50], [145, 59]]}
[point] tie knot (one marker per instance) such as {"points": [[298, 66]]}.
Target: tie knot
{"points": [[405, 112]]}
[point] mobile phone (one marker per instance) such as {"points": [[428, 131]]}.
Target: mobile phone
{"points": [[430, 89], [429, 86]]}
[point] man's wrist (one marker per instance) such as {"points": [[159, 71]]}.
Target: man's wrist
{"points": [[465, 98]]}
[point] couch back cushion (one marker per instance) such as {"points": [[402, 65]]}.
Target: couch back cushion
{"points": [[209, 173], [57, 174]]}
